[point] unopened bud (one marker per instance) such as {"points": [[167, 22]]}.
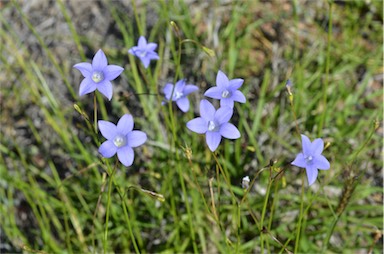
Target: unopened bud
{"points": [[245, 182]]}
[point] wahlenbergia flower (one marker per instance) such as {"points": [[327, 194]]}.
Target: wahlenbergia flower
{"points": [[180, 93], [98, 75], [311, 159], [121, 138], [214, 124], [145, 51], [226, 90]]}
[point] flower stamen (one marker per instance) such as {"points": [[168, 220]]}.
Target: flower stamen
{"points": [[212, 126], [97, 76], [120, 140], [225, 94]]}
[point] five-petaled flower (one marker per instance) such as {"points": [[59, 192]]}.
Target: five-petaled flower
{"points": [[121, 138], [311, 159], [98, 75], [145, 51], [226, 90], [180, 93], [214, 124]]}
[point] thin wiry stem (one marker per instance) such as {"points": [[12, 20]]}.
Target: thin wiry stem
{"points": [[95, 111], [298, 228], [327, 62], [108, 206]]}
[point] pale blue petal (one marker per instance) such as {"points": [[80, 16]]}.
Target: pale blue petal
{"points": [[151, 46], [198, 125], [190, 89], [87, 86], [136, 138], [99, 61], [229, 131], [317, 146], [133, 50], [107, 129], [223, 115], [183, 104], [321, 162], [125, 155], [207, 110], [213, 139], [142, 43], [168, 91], [235, 84], [214, 92], [107, 149], [222, 80], [105, 87], [299, 161], [238, 96], [125, 124], [153, 55], [112, 71], [84, 68], [180, 85], [227, 102], [306, 143], [312, 173], [145, 61]]}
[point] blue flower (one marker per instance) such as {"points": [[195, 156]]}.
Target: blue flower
{"points": [[145, 51], [311, 159], [226, 90], [120, 139], [180, 93], [214, 124], [98, 75]]}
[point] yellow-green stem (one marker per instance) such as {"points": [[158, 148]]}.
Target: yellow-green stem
{"points": [[298, 229], [95, 111], [108, 206], [327, 62]]}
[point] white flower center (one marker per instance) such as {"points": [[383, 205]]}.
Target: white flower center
{"points": [[225, 94], [308, 159], [97, 76], [143, 53], [120, 140], [212, 126], [177, 95]]}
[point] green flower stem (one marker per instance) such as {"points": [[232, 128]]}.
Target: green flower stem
{"points": [[108, 206], [174, 133], [129, 224], [95, 111], [298, 229], [261, 228], [327, 63], [234, 200]]}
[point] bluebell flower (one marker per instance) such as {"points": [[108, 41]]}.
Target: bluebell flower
{"points": [[144, 51], [214, 124], [98, 75], [226, 90], [311, 159], [180, 93], [121, 138]]}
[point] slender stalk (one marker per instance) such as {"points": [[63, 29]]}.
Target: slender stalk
{"points": [[327, 63], [108, 206], [129, 225], [174, 133], [261, 228], [137, 18], [95, 111], [225, 178], [298, 229]]}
